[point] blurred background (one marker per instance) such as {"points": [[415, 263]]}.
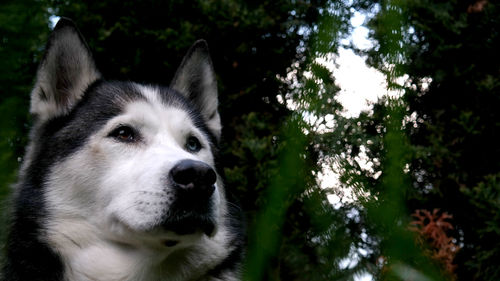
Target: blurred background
{"points": [[360, 136]]}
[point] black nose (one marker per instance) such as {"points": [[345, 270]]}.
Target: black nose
{"points": [[194, 177]]}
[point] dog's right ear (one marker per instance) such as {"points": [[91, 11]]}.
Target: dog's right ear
{"points": [[195, 79], [66, 70]]}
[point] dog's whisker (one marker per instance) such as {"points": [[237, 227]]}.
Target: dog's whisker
{"points": [[235, 206]]}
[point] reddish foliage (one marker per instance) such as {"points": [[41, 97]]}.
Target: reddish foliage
{"points": [[433, 228], [477, 7]]}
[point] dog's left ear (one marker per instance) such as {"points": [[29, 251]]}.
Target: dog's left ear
{"points": [[195, 79], [64, 74]]}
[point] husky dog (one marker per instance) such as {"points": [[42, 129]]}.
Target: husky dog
{"points": [[119, 181]]}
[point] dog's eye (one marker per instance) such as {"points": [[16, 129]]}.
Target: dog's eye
{"points": [[193, 144], [124, 133]]}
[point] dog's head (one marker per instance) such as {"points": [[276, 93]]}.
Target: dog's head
{"points": [[132, 161]]}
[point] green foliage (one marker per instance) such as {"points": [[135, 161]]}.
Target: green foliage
{"points": [[23, 29], [11, 123], [485, 198], [449, 52], [289, 181]]}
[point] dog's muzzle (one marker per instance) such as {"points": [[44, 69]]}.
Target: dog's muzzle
{"points": [[193, 183]]}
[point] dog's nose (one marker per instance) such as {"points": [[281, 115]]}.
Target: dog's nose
{"points": [[194, 177]]}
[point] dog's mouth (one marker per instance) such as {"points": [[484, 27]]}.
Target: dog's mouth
{"points": [[184, 223], [188, 224], [188, 217], [170, 242]]}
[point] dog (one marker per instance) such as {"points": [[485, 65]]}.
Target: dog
{"points": [[120, 180]]}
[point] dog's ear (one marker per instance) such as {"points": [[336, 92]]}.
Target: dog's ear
{"points": [[67, 69], [195, 79]]}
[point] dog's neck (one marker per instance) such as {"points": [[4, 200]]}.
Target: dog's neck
{"points": [[88, 255]]}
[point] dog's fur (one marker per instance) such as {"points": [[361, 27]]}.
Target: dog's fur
{"points": [[104, 192]]}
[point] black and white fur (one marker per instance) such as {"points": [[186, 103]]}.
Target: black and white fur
{"points": [[119, 181]]}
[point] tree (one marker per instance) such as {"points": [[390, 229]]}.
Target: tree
{"points": [[449, 52]]}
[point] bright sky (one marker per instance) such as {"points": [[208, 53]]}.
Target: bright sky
{"points": [[359, 83]]}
